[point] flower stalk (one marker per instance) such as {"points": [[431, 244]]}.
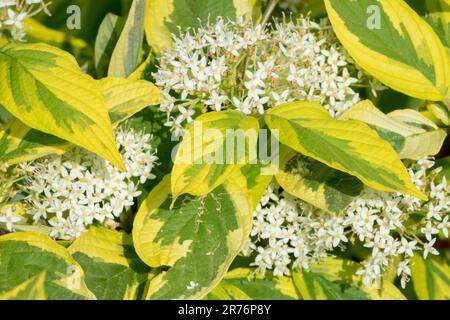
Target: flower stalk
{"points": [[270, 7]]}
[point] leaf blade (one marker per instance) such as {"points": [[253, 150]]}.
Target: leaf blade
{"points": [[349, 146], [125, 57], [197, 237], [402, 51], [45, 89]]}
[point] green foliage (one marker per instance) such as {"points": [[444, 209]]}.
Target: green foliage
{"points": [[335, 279], [197, 237], [309, 129], [112, 269], [431, 278], [126, 54], [316, 183], [191, 223], [24, 256]]}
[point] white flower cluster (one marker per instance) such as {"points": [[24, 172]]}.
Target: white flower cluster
{"points": [[14, 12], [71, 192], [289, 233], [384, 223], [236, 65]]}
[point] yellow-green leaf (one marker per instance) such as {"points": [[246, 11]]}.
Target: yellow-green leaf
{"points": [[31, 289], [411, 134], [316, 183], [19, 143], [394, 44], [123, 98], [254, 179], [125, 57], [26, 255], [165, 17], [248, 284], [44, 88], [335, 279], [196, 237], [346, 145], [431, 278], [144, 70], [437, 14], [37, 32], [206, 156], [113, 270], [439, 113], [107, 37]]}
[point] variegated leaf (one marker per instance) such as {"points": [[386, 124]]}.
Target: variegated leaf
{"points": [[125, 57], [335, 279], [105, 42], [196, 237], [113, 270], [438, 113], [437, 14], [123, 98], [19, 143], [26, 255], [31, 289], [394, 44], [412, 135], [44, 88], [316, 183], [346, 145], [430, 278], [247, 284], [144, 71], [207, 154], [254, 179]]}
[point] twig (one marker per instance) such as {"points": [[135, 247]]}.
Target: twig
{"points": [[271, 6]]}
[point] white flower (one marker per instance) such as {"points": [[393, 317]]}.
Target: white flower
{"points": [[239, 65], [243, 106], [404, 272], [216, 100], [280, 99], [192, 285], [434, 211], [380, 220], [7, 3], [428, 248], [337, 235], [15, 19], [15, 12], [259, 103], [186, 114], [444, 225], [296, 75], [9, 218], [429, 230], [407, 247], [403, 267], [84, 188]]}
